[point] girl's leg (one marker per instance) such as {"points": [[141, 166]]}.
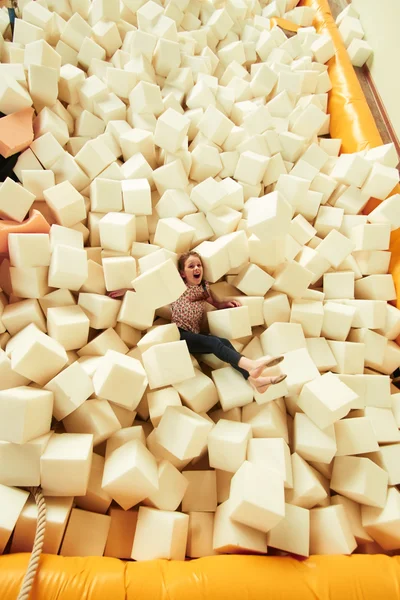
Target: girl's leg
{"points": [[211, 344]]}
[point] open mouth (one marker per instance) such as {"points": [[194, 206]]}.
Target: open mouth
{"points": [[197, 275]]}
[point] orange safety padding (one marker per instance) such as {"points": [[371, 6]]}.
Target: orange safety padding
{"points": [[357, 577], [36, 223], [16, 132]]}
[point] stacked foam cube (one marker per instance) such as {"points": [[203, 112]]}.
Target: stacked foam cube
{"points": [[352, 32], [161, 128]]}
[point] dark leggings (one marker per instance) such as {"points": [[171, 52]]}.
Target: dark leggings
{"points": [[198, 343]]}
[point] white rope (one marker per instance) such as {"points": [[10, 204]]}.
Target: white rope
{"points": [[37, 545]]}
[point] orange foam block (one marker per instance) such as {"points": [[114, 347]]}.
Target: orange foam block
{"points": [[16, 132], [36, 223]]}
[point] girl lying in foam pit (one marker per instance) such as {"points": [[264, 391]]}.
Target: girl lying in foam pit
{"points": [[187, 314]]}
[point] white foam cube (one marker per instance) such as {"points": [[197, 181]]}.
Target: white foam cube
{"points": [[26, 414], [130, 474], [94, 416], [172, 542], [326, 400], [231, 537], [66, 204], [330, 531], [69, 326], [37, 356], [105, 195], [337, 321], [57, 514], [274, 454], [227, 445], [232, 388], [198, 393], [183, 432], [293, 532], [15, 201], [360, 480], [201, 493], [386, 211], [380, 181], [68, 267], [117, 231], [253, 281], [339, 285], [276, 308], [136, 195], [71, 388], [65, 464], [29, 282], [172, 486], [119, 272], [159, 400], [300, 369], [13, 501], [375, 287], [231, 323], [313, 443], [160, 285], [77, 539], [282, 337], [309, 315], [102, 311], [269, 216], [120, 379], [266, 420], [335, 248], [308, 490], [174, 235], [355, 436], [37, 181], [292, 279], [200, 535], [96, 499]]}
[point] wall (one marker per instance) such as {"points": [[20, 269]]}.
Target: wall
{"points": [[381, 22]]}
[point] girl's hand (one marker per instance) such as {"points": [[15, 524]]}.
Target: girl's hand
{"points": [[231, 304], [117, 293]]}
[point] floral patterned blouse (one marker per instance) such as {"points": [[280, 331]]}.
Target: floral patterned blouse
{"points": [[188, 310]]}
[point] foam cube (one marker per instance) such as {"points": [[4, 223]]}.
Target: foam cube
{"points": [[65, 464], [29, 282], [71, 388], [253, 281], [355, 436], [201, 493], [292, 279], [272, 453], [380, 181], [96, 499], [326, 400], [386, 458], [373, 236], [231, 537], [18, 315], [227, 445], [121, 533], [174, 235], [351, 169], [308, 489], [36, 355], [386, 211], [282, 337], [200, 535], [13, 501], [171, 490], [66, 203], [160, 285], [320, 353], [337, 321], [102, 311], [136, 196], [69, 326], [15, 201], [375, 287], [20, 463], [266, 420], [261, 512], [134, 312], [171, 544], [86, 534], [198, 393], [383, 523], [68, 267], [94, 416], [117, 231], [26, 414], [130, 474], [58, 511], [300, 369], [231, 323], [269, 216], [120, 379], [159, 400], [292, 533], [313, 443], [330, 531], [105, 195], [309, 315], [360, 480], [233, 391], [276, 308], [339, 285], [119, 272], [183, 432]]}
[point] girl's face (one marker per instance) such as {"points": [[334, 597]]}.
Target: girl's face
{"points": [[193, 271]]}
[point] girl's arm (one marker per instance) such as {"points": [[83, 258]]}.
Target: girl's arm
{"points": [[223, 304]]}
